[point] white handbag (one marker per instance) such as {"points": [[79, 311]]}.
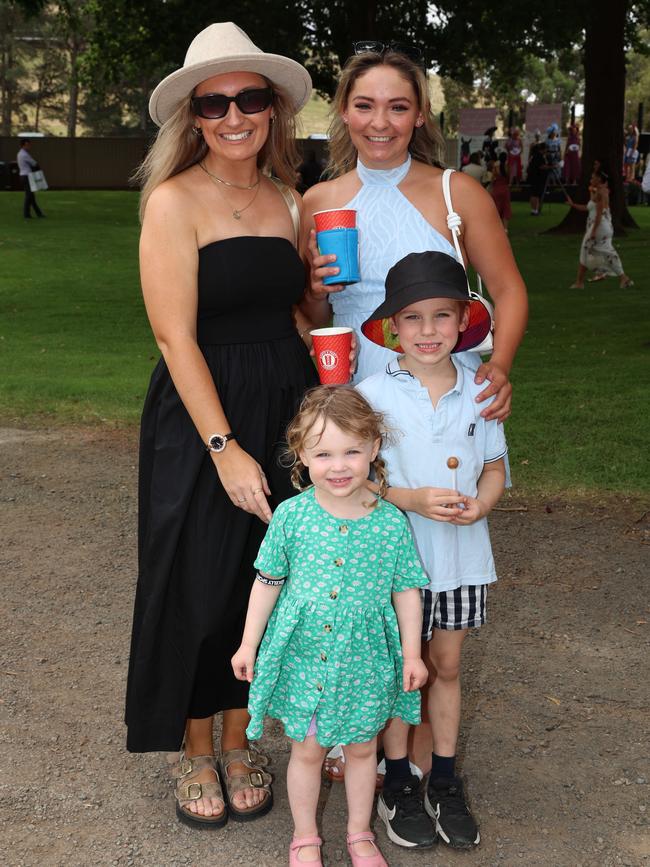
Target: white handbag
{"points": [[37, 181]]}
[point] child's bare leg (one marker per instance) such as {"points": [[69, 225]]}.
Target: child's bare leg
{"points": [[303, 789], [444, 693], [360, 774], [396, 739], [420, 744]]}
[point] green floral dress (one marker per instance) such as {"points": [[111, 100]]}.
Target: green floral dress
{"points": [[332, 646]]}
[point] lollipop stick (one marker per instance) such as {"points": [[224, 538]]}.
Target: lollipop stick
{"points": [[453, 464]]}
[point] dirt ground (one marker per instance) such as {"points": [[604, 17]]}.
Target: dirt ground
{"points": [[556, 714]]}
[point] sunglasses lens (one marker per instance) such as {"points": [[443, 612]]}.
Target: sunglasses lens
{"points": [[215, 105], [211, 106], [254, 101], [368, 45]]}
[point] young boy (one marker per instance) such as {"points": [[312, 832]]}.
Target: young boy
{"points": [[428, 397]]}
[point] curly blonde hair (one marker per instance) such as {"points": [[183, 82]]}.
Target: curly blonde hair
{"points": [[176, 147], [427, 144], [348, 409]]}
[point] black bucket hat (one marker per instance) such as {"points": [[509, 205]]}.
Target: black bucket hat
{"points": [[417, 277]]}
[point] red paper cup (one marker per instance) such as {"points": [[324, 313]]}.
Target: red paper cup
{"points": [[332, 347], [335, 218]]}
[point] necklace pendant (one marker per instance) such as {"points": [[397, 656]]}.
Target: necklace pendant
{"points": [[236, 215]]}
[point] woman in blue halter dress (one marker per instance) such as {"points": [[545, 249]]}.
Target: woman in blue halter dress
{"points": [[221, 276], [385, 162]]}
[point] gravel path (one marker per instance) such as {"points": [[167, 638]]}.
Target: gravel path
{"points": [[555, 730]]}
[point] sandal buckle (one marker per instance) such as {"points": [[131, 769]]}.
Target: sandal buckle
{"points": [[185, 767], [255, 758], [190, 796], [256, 780]]}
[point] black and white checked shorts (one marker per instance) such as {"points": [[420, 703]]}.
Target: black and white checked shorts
{"points": [[461, 608]]}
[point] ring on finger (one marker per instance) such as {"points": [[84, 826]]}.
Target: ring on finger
{"points": [[257, 491], [242, 500]]}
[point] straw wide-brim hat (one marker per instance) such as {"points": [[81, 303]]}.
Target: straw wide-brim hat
{"points": [[226, 48]]}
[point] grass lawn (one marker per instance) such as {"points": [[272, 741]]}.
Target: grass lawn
{"points": [[75, 346]]}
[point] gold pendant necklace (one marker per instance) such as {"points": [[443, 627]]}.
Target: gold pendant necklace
{"points": [[236, 212], [230, 183]]}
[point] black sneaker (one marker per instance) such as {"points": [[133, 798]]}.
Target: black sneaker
{"points": [[402, 811], [445, 803]]}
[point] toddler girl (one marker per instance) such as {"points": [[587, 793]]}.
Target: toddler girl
{"points": [[338, 586]]}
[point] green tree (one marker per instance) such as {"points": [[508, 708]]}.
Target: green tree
{"points": [[637, 83], [333, 25], [134, 44], [13, 52], [601, 30]]}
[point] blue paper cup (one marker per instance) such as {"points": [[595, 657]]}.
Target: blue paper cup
{"points": [[344, 244]]}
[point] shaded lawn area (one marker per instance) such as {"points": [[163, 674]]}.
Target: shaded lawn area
{"points": [[75, 346]]}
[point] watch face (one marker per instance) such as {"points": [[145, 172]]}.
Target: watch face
{"points": [[217, 443]]}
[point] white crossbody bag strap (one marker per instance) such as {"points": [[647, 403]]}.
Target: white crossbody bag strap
{"points": [[454, 223]]}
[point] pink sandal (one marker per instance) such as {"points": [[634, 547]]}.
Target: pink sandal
{"points": [[299, 843], [376, 860]]}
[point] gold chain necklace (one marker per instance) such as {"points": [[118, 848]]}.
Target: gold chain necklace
{"points": [[230, 183], [236, 212]]}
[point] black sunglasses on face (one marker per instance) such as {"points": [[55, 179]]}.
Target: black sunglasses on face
{"points": [[215, 105], [410, 51]]}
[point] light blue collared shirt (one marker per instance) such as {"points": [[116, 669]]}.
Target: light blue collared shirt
{"points": [[416, 456]]}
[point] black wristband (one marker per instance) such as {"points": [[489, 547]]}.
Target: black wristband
{"points": [[271, 582]]}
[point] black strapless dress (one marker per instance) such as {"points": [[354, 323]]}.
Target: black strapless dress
{"points": [[196, 549]]}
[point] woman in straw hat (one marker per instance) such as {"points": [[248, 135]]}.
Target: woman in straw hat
{"points": [[221, 278], [386, 162]]}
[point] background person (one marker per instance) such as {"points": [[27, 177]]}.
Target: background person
{"points": [[310, 171], [631, 155], [500, 189], [514, 149], [553, 155], [26, 165], [220, 276], [572, 167], [475, 168], [536, 176], [597, 251]]}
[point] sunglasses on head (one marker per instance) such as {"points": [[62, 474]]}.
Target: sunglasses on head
{"points": [[215, 105], [411, 51]]}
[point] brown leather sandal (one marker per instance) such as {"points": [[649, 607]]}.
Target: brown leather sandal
{"points": [[187, 790], [256, 778]]}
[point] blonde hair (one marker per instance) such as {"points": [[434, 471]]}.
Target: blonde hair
{"points": [[348, 409], [427, 144], [177, 147]]}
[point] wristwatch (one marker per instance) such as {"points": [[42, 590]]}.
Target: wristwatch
{"points": [[218, 442]]}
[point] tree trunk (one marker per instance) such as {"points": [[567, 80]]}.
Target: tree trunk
{"points": [[603, 134], [73, 89], [7, 82]]}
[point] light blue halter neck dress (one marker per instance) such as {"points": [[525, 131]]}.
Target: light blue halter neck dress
{"points": [[390, 227]]}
